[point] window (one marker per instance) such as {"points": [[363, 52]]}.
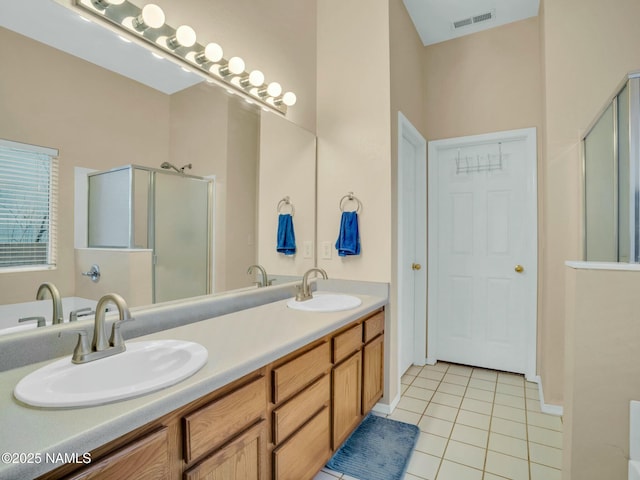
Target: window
{"points": [[28, 204]]}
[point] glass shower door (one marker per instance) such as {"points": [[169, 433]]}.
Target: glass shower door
{"points": [[181, 237]]}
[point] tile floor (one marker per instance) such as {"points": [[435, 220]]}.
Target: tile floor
{"points": [[475, 424]]}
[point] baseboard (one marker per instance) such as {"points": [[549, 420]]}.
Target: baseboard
{"points": [[546, 407], [431, 361], [387, 409]]}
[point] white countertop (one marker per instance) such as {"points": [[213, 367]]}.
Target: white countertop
{"points": [[238, 344]]}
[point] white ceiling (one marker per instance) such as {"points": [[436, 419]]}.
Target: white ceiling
{"points": [[60, 27], [434, 19]]}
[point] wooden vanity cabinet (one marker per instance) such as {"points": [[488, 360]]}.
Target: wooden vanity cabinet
{"points": [[280, 422]]}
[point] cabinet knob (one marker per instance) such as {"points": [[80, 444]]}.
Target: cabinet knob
{"points": [[519, 269], [416, 266]]}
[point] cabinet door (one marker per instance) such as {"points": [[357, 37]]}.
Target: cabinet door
{"points": [[347, 394], [143, 459], [242, 459], [372, 373], [304, 454]]}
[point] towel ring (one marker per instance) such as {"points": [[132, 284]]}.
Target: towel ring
{"points": [[283, 203], [350, 197]]}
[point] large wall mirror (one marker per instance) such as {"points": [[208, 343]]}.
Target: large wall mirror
{"points": [[100, 120]]}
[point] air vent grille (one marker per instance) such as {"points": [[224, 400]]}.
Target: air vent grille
{"points": [[465, 22], [462, 23]]}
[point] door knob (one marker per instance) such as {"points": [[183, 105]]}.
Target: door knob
{"points": [[519, 268], [416, 266]]}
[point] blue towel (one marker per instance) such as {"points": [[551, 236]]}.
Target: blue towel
{"points": [[286, 236], [348, 242]]}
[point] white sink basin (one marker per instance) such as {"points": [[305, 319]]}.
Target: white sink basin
{"points": [[326, 302], [142, 368]]}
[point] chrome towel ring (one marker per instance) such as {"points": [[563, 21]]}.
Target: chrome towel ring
{"points": [[350, 197], [282, 204]]}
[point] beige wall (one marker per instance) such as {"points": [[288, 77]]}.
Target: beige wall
{"points": [[485, 82], [603, 365], [586, 57], [354, 145], [287, 168]]}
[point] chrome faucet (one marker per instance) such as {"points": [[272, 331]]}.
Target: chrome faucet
{"points": [[58, 316], [101, 347], [304, 292], [265, 282]]}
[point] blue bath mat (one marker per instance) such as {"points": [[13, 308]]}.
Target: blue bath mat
{"points": [[379, 449]]}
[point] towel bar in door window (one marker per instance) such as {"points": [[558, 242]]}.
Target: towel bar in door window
{"points": [[350, 197], [282, 204]]}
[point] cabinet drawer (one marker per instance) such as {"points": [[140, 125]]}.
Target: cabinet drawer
{"points": [[373, 326], [296, 374], [215, 423], [346, 343], [244, 458], [304, 454], [144, 459], [290, 416]]}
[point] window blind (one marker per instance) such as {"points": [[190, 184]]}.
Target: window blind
{"points": [[28, 205]]}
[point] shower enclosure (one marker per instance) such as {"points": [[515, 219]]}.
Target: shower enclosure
{"points": [[611, 160], [169, 213]]}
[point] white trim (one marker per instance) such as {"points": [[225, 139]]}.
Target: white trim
{"points": [[387, 409], [408, 131], [528, 135], [545, 407], [580, 265]]}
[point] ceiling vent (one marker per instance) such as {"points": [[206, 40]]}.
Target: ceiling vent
{"points": [[465, 22]]}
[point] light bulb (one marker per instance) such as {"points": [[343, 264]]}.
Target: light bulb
{"points": [[274, 89], [104, 4], [152, 16], [212, 53], [235, 66], [256, 78], [289, 99], [185, 37]]}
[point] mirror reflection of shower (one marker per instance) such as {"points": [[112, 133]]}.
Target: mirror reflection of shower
{"points": [[167, 166]]}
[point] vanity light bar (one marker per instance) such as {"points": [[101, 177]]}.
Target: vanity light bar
{"points": [[148, 24]]}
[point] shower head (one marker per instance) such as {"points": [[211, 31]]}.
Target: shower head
{"points": [[167, 166]]}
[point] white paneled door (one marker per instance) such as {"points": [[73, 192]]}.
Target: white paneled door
{"points": [[483, 251]]}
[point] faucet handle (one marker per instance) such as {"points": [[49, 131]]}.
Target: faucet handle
{"points": [[41, 321], [74, 315], [82, 347], [116, 339]]}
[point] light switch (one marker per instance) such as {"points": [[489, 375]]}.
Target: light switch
{"points": [[307, 249], [326, 250]]}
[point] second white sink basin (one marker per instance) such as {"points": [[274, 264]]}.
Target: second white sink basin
{"points": [[143, 367], [326, 302]]}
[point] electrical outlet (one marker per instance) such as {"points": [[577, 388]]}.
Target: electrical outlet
{"points": [[326, 250], [307, 249]]}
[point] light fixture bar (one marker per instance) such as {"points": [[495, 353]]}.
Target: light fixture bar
{"points": [[148, 25]]}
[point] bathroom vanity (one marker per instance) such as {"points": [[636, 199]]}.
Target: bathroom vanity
{"points": [[282, 389]]}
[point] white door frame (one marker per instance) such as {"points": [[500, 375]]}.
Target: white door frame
{"points": [[409, 132], [528, 135]]}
